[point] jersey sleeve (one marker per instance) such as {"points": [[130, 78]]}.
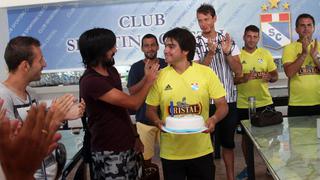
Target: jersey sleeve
{"points": [[289, 54], [153, 97], [271, 65]]}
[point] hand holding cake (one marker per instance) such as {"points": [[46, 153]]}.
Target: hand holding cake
{"points": [[210, 124]]}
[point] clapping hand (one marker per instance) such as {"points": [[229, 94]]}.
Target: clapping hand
{"points": [[314, 51], [212, 46], [22, 151], [266, 77], [68, 108], [248, 76], [226, 44], [305, 43]]}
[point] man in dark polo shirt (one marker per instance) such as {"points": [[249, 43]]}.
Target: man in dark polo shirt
{"points": [[114, 140], [149, 134]]}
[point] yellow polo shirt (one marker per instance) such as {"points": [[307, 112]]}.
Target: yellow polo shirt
{"points": [[304, 87], [190, 93], [259, 61]]}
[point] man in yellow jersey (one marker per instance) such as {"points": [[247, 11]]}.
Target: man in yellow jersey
{"points": [[259, 69], [186, 84], [301, 64]]}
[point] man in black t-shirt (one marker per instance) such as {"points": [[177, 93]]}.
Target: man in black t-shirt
{"points": [[114, 142]]}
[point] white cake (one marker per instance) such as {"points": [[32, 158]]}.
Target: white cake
{"points": [[185, 122]]}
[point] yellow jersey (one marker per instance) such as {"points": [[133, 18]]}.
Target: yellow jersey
{"points": [[304, 86], [258, 62], [190, 93]]}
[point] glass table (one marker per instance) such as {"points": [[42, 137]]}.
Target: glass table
{"points": [[291, 150]]}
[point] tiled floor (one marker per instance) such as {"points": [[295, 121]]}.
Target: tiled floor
{"points": [[260, 167]]}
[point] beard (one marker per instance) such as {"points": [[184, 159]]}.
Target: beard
{"points": [[150, 55], [109, 62]]}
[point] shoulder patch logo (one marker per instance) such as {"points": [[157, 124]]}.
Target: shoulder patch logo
{"points": [[168, 87]]}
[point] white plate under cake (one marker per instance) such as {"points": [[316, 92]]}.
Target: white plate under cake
{"points": [[184, 124]]}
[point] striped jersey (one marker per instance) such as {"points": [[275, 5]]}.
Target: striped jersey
{"points": [[219, 63]]}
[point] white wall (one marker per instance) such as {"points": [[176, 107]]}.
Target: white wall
{"points": [[4, 38], [15, 3]]}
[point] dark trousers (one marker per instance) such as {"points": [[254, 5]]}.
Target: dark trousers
{"points": [[191, 169], [224, 131]]}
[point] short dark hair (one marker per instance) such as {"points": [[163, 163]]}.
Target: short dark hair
{"points": [[147, 36], [206, 9], [252, 28], [93, 45], [304, 15], [185, 39], [19, 49]]}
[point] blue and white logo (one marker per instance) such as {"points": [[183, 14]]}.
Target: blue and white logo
{"points": [[275, 29]]}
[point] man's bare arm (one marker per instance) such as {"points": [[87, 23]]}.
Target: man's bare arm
{"points": [[152, 114], [119, 98]]}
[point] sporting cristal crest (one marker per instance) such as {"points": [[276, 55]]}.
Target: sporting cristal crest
{"points": [[275, 26]]}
